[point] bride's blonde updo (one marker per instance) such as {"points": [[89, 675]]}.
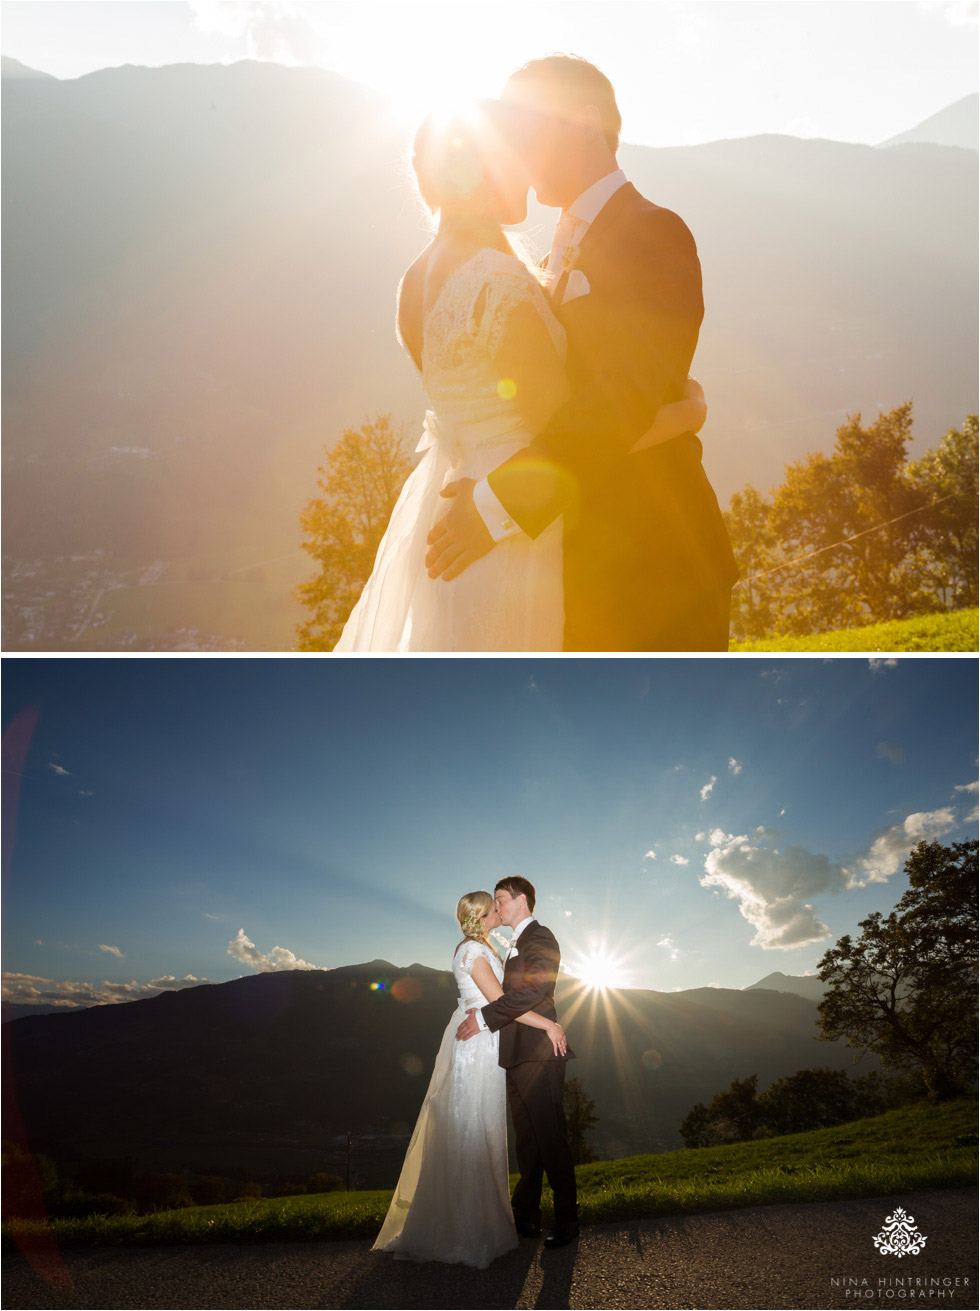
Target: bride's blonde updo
{"points": [[470, 907], [452, 164]]}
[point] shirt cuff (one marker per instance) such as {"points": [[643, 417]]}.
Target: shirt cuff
{"points": [[498, 521], [478, 1016]]}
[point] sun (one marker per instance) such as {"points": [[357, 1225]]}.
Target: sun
{"points": [[598, 971]]}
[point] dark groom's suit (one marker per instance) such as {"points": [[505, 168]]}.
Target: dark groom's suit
{"points": [[535, 1076], [648, 564]]}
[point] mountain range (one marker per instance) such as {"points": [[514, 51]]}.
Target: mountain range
{"points": [[200, 264], [956, 125], [268, 1072]]}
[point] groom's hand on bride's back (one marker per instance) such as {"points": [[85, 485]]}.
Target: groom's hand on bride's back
{"points": [[469, 1028], [460, 537]]}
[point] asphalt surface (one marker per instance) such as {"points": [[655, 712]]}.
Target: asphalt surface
{"points": [[811, 1255]]}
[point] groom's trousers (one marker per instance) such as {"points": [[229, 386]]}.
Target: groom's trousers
{"points": [[534, 1095]]}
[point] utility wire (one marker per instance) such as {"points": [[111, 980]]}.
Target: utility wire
{"points": [[788, 564]]}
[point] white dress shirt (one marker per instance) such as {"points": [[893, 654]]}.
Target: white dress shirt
{"points": [[574, 223], [478, 1014]]}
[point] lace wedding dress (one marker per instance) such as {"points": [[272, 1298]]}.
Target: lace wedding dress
{"points": [[511, 599], [452, 1202]]}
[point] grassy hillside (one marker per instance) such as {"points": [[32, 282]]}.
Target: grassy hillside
{"points": [[950, 631], [906, 1150]]}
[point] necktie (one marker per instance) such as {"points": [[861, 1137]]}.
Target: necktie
{"points": [[563, 239]]}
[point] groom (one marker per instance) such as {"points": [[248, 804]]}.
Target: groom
{"points": [[647, 561], [535, 1075]]}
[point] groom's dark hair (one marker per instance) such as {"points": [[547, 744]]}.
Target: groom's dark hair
{"points": [[573, 82], [515, 885]]}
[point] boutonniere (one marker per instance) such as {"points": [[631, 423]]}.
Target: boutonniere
{"points": [[570, 257]]}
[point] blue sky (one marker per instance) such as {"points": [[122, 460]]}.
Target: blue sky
{"points": [[685, 72], [170, 810]]}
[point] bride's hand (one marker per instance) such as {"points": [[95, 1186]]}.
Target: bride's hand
{"points": [[686, 415], [556, 1036]]}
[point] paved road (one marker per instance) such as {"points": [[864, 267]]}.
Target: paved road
{"points": [[768, 1256]]}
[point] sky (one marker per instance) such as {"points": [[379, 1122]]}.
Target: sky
{"points": [[691, 822], [850, 70]]}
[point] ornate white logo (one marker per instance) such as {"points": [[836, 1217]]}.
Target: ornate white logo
{"points": [[900, 1237]]}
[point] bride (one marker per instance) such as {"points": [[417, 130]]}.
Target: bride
{"points": [[452, 1201], [479, 327]]}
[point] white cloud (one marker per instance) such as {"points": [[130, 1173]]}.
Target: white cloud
{"points": [[69, 994], [782, 812], [168, 982], [706, 790], [64, 773], [700, 837], [279, 958], [276, 30], [568, 914], [888, 849], [38, 942], [679, 860], [650, 855], [958, 13], [83, 793], [670, 946], [802, 126], [966, 787], [209, 916], [735, 765], [114, 951], [875, 663], [773, 886]]}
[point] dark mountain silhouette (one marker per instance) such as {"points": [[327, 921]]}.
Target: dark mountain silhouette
{"points": [[804, 985], [956, 125], [15, 1010], [268, 1072], [198, 293]]}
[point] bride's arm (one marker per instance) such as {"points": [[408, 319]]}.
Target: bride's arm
{"points": [[685, 415], [485, 979]]}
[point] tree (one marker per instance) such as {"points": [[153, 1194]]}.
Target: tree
{"points": [[819, 1098], [906, 989], [696, 1127], [808, 1099], [360, 480], [848, 538], [947, 477], [580, 1114]]}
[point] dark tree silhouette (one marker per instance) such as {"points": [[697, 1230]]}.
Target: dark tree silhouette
{"points": [[906, 989], [808, 1099], [581, 1116]]}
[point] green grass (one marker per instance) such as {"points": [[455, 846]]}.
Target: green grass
{"points": [[956, 630], [906, 1150]]}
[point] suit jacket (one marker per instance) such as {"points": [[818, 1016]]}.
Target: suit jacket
{"points": [[530, 975], [641, 531]]}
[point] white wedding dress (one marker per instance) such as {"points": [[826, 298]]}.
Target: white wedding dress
{"points": [[511, 599], [452, 1202]]}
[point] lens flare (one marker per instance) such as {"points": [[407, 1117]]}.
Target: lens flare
{"points": [[652, 1059], [407, 989]]}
